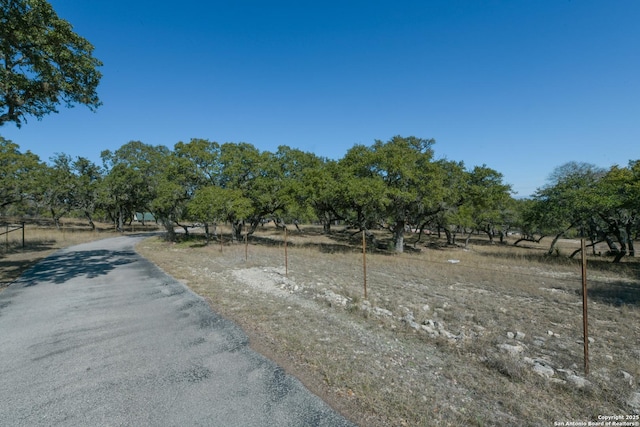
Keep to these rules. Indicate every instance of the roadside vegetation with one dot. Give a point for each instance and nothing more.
(486, 334)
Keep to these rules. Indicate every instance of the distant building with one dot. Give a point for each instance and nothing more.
(144, 217)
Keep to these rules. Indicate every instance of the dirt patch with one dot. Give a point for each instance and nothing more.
(492, 339)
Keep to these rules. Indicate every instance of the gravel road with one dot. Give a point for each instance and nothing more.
(96, 335)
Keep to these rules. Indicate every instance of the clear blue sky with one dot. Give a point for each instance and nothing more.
(521, 86)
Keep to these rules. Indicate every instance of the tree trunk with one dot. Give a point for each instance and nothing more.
(553, 243)
(449, 235)
(622, 239)
(577, 251)
(56, 219)
(398, 238)
(236, 231)
(613, 248)
(253, 225)
(88, 215)
(489, 231)
(628, 227)
(168, 226)
(420, 233)
(528, 238)
(120, 220)
(466, 242)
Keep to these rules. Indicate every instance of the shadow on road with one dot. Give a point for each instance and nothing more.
(61, 267)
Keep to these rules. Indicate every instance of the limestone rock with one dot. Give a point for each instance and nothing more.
(428, 329)
(382, 312)
(513, 350)
(634, 401)
(409, 320)
(543, 370)
(578, 382)
(627, 377)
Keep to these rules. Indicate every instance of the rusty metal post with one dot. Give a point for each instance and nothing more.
(286, 256)
(246, 247)
(585, 323)
(364, 262)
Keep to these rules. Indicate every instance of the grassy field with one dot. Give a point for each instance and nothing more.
(483, 335)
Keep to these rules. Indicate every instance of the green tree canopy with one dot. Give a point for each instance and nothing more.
(410, 181)
(43, 63)
(19, 173)
(57, 187)
(567, 202)
(258, 176)
(487, 198)
(211, 204)
(131, 179)
(616, 200)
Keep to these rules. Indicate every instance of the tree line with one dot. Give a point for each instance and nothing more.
(396, 185)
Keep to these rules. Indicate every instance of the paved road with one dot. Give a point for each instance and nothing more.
(95, 335)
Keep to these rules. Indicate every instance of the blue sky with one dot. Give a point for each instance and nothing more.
(521, 86)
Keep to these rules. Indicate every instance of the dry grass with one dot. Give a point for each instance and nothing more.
(423, 348)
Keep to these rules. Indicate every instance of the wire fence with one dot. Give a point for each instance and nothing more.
(623, 290)
(10, 228)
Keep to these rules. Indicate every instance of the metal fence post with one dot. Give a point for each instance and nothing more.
(585, 324)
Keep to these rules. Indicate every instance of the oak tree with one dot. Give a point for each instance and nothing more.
(43, 62)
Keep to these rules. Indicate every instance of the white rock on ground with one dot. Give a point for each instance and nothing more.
(543, 370)
(382, 311)
(511, 349)
(410, 320)
(634, 401)
(335, 298)
(428, 329)
(578, 382)
(628, 377)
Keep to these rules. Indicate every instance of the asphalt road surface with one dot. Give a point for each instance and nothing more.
(96, 335)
